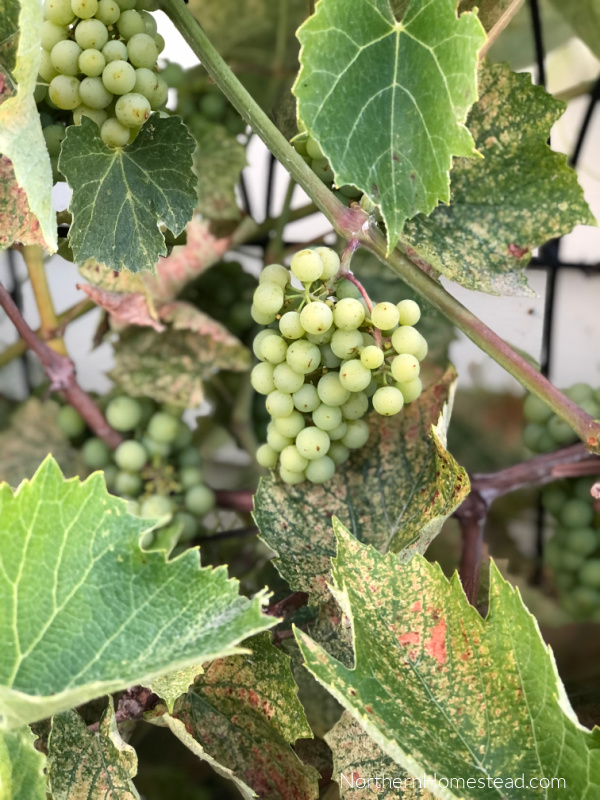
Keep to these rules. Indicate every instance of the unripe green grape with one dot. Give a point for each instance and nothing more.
(64, 92)
(291, 459)
(306, 399)
(268, 297)
(52, 34)
(259, 339)
(123, 413)
(312, 443)
(188, 525)
(411, 390)
(371, 388)
(409, 340)
(299, 145)
(356, 406)
(582, 540)
(585, 598)
(159, 98)
(46, 70)
(357, 434)
(321, 470)
(303, 357)
(385, 316)
(114, 51)
(266, 456)
(535, 410)
(330, 390)
(156, 506)
(108, 12)
(591, 408)
(388, 401)
(92, 63)
(114, 134)
(94, 93)
(190, 457)
(84, 9)
(553, 498)
(290, 425)
(260, 317)
(589, 574)
(576, 513)
(174, 75)
(348, 314)
(338, 453)
(132, 109)
(405, 368)
(262, 379)
(199, 500)
(354, 375)
(346, 343)
(150, 26)
(129, 23)
(65, 57)
(159, 42)
(54, 136)
(96, 453)
(580, 393)
(70, 422)
(306, 265)
(327, 418)
(46, 119)
(331, 262)
(279, 404)
(532, 435)
(328, 357)
(349, 191)
(582, 487)
(409, 312)
(561, 431)
(128, 484)
(274, 349)
(321, 338)
(213, 105)
(142, 51)
(146, 82)
(277, 440)
(316, 317)
(291, 326)
(313, 149)
(546, 443)
(131, 456)
(372, 357)
(346, 288)
(184, 437)
(119, 77)
(190, 476)
(97, 115)
(289, 477)
(163, 427)
(275, 273)
(322, 169)
(91, 34)
(339, 431)
(286, 379)
(126, 5)
(39, 94)
(59, 11)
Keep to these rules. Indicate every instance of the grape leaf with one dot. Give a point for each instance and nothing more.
(21, 766)
(21, 139)
(124, 309)
(170, 367)
(84, 611)
(86, 765)
(444, 692)
(584, 19)
(218, 163)
(17, 223)
(172, 685)
(242, 712)
(395, 493)
(121, 194)
(500, 209)
(399, 92)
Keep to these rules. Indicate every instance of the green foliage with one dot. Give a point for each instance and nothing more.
(21, 766)
(584, 19)
(120, 194)
(218, 163)
(158, 616)
(421, 71)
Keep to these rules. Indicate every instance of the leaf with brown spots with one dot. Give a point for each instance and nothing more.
(218, 163)
(394, 493)
(84, 765)
(442, 691)
(513, 200)
(125, 309)
(240, 715)
(17, 223)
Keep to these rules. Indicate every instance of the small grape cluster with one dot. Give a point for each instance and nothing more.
(545, 431)
(156, 469)
(200, 102)
(311, 152)
(573, 553)
(325, 360)
(99, 60)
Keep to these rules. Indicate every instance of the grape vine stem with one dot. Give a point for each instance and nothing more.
(355, 223)
(34, 261)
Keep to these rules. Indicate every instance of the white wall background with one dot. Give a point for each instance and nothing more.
(519, 320)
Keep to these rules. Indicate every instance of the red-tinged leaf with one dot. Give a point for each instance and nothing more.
(125, 309)
(17, 223)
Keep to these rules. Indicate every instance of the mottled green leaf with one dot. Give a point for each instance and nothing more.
(494, 15)
(394, 493)
(84, 766)
(444, 692)
(362, 770)
(21, 767)
(218, 163)
(17, 223)
(21, 139)
(172, 685)
(515, 199)
(121, 194)
(400, 92)
(243, 712)
(170, 367)
(84, 611)
(584, 18)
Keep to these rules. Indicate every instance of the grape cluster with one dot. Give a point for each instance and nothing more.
(99, 60)
(573, 553)
(200, 102)
(156, 468)
(545, 431)
(325, 360)
(311, 152)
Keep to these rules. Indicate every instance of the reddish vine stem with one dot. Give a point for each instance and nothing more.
(133, 704)
(61, 373)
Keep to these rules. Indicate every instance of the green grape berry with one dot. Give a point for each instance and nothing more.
(199, 500)
(132, 109)
(114, 134)
(388, 400)
(70, 422)
(348, 314)
(128, 484)
(266, 456)
(385, 316)
(291, 459)
(306, 265)
(64, 92)
(96, 453)
(409, 312)
(163, 427)
(190, 457)
(124, 413)
(156, 506)
(131, 456)
(312, 443)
